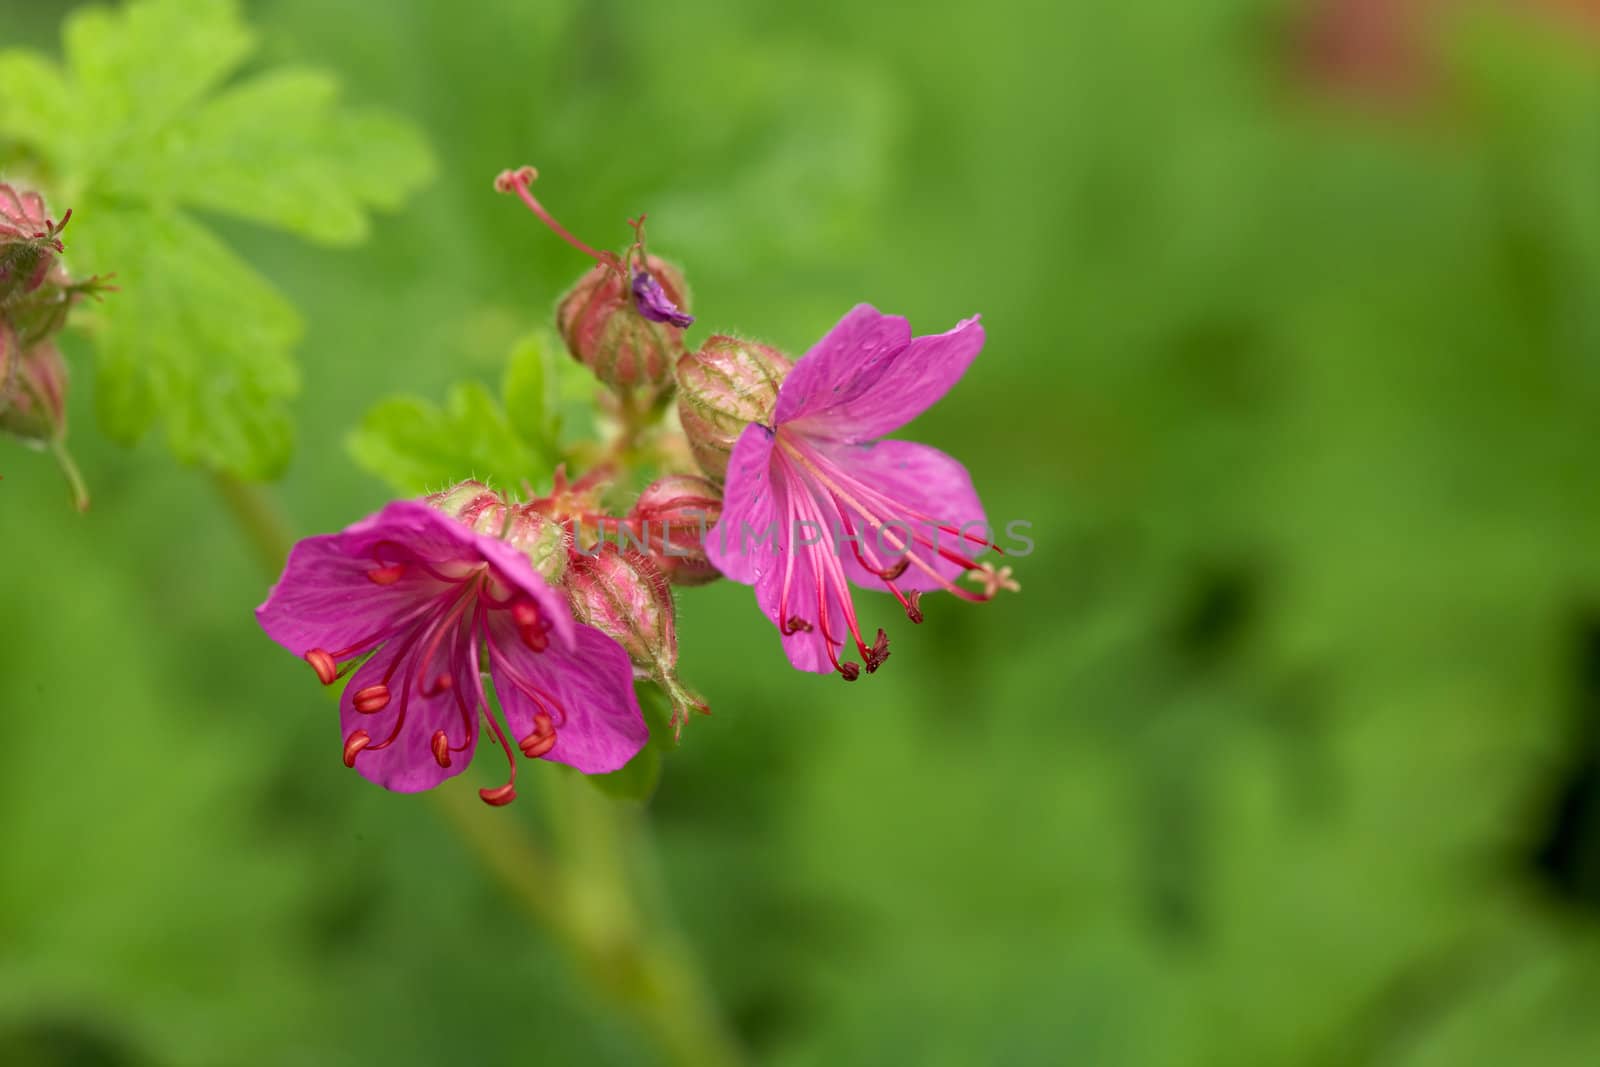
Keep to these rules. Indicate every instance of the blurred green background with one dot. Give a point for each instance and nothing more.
(1289, 750)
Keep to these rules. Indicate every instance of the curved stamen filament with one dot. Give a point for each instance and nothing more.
(788, 624)
(837, 479)
(885, 528)
(416, 675)
(885, 575)
(504, 794)
(520, 181)
(830, 572)
(504, 669)
(367, 643)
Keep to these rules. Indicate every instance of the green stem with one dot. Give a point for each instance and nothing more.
(69, 468)
(590, 903)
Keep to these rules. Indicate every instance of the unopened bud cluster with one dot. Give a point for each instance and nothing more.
(36, 292)
(622, 591)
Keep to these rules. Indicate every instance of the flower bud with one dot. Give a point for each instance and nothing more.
(33, 402)
(543, 540)
(722, 388)
(623, 595)
(671, 518)
(600, 319)
(467, 502)
(29, 242)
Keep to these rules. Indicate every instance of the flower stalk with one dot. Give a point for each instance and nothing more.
(635, 958)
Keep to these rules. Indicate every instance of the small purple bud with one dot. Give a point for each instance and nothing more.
(653, 302)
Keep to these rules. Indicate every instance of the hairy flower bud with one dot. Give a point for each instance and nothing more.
(485, 511)
(601, 321)
(726, 385)
(671, 518)
(623, 595)
(467, 502)
(33, 402)
(624, 319)
(29, 241)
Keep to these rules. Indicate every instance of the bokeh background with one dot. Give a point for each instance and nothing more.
(1287, 753)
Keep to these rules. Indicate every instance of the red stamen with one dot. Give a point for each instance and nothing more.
(518, 181)
(543, 738)
(372, 698)
(386, 575)
(506, 673)
(504, 794)
(527, 619)
(831, 566)
(441, 748)
(500, 796)
(877, 653)
(326, 667)
(535, 745)
(353, 745)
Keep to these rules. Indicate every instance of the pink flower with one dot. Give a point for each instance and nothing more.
(814, 501)
(431, 603)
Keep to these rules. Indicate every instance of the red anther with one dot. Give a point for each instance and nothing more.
(500, 796)
(543, 738)
(525, 613)
(439, 685)
(507, 180)
(878, 652)
(371, 698)
(914, 606)
(796, 625)
(849, 671)
(386, 575)
(441, 748)
(353, 745)
(897, 570)
(535, 745)
(533, 637)
(327, 670)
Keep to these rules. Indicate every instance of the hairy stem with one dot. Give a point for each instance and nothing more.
(587, 895)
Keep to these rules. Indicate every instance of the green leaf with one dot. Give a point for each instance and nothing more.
(296, 173)
(133, 129)
(220, 337)
(528, 392)
(34, 102)
(417, 447)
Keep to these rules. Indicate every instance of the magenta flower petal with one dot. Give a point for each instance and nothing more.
(740, 545)
(412, 595)
(868, 377)
(327, 591)
(842, 365)
(587, 692)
